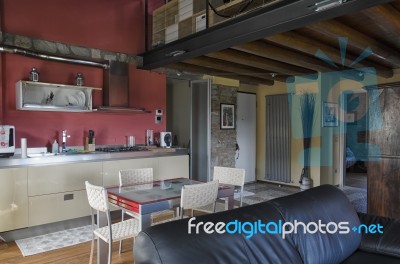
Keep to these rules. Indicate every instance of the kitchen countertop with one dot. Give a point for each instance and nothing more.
(16, 161)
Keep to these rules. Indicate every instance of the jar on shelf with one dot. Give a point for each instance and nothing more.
(79, 79)
(34, 75)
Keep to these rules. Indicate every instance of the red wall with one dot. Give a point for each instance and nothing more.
(111, 25)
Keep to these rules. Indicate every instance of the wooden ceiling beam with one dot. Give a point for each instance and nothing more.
(380, 52)
(234, 68)
(385, 15)
(213, 72)
(396, 5)
(310, 46)
(247, 59)
(263, 49)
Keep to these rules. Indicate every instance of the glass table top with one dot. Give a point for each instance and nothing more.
(151, 192)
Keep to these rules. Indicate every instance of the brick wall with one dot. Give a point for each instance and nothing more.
(223, 142)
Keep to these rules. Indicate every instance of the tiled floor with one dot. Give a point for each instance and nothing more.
(358, 180)
(263, 191)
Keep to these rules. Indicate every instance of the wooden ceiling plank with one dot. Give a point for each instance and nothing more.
(234, 68)
(396, 5)
(310, 46)
(263, 49)
(385, 15)
(357, 39)
(213, 72)
(247, 59)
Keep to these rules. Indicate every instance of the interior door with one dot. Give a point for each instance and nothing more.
(246, 135)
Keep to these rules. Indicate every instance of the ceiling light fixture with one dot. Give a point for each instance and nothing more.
(327, 4)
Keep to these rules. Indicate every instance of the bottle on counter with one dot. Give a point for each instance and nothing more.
(55, 147)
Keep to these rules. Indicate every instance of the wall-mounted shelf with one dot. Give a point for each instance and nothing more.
(39, 96)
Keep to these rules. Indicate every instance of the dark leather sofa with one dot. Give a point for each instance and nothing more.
(170, 243)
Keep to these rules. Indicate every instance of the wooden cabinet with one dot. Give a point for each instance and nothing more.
(13, 199)
(57, 192)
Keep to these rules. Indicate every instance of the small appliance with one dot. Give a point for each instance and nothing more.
(7, 141)
(165, 139)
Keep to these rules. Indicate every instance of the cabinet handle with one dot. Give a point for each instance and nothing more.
(68, 197)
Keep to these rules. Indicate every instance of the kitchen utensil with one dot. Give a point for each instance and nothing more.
(90, 136)
(149, 137)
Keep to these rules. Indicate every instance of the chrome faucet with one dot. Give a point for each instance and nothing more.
(64, 140)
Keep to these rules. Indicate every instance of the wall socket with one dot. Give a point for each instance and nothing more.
(158, 119)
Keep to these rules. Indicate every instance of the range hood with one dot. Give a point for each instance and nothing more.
(116, 89)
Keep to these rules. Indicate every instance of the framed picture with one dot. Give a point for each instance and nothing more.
(350, 118)
(227, 116)
(330, 115)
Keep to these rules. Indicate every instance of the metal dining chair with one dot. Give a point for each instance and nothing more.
(140, 176)
(98, 201)
(232, 176)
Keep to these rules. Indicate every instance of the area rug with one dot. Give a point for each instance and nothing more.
(39, 244)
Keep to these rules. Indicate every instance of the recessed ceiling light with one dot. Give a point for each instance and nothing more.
(327, 4)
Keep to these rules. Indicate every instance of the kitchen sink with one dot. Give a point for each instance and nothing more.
(48, 154)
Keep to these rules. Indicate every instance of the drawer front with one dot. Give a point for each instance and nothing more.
(173, 167)
(63, 178)
(111, 169)
(13, 199)
(51, 208)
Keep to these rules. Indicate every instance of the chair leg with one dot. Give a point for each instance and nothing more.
(109, 251)
(91, 250)
(241, 196)
(120, 242)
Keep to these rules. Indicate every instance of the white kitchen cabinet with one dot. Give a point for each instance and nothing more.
(63, 177)
(173, 167)
(44, 209)
(163, 168)
(13, 199)
(39, 96)
(57, 192)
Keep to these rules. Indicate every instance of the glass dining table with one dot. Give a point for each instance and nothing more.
(147, 198)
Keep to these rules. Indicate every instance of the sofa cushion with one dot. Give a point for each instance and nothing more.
(328, 204)
(171, 243)
(366, 257)
(386, 242)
